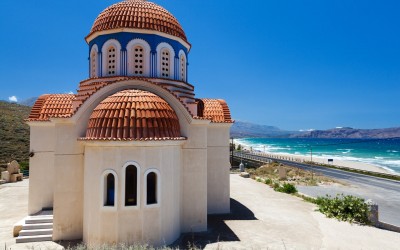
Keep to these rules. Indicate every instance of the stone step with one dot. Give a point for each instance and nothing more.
(42, 214)
(37, 226)
(39, 220)
(37, 238)
(36, 232)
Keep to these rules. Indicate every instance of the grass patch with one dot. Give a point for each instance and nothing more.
(269, 174)
(268, 181)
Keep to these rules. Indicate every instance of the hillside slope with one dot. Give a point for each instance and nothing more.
(14, 133)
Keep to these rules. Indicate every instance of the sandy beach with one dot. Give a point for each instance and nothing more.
(340, 163)
(348, 164)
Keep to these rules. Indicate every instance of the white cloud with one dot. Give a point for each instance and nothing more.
(71, 93)
(307, 130)
(13, 98)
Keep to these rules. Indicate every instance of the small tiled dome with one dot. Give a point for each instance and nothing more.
(52, 106)
(138, 14)
(214, 109)
(133, 115)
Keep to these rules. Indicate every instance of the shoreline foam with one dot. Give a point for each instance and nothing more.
(355, 164)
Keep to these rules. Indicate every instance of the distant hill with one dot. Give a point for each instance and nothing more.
(351, 133)
(28, 102)
(14, 133)
(246, 129)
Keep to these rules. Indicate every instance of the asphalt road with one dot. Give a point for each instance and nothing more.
(384, 192)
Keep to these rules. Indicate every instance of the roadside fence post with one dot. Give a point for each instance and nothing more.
(373, 214)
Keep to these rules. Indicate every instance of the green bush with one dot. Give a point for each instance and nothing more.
(344, 208)
(286, 188)
(268, 181)
(24, 166)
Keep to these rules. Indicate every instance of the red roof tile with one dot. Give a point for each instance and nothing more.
(215, 110)
(138, 14)
(88, 87)
(52, 106)
(133, 115)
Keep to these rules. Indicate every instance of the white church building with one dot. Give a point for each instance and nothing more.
(133, 156)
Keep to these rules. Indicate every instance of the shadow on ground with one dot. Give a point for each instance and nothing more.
(217, 231)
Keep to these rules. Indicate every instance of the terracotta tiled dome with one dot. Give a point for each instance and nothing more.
(138, 14)
(133, 115)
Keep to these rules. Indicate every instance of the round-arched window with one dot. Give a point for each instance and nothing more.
(165, 63)
(138, 60)
(111, 61)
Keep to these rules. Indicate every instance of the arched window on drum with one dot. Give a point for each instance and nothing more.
(111, 59)
(182, 67)
(165, 63)
(94, 62)
(138, 60)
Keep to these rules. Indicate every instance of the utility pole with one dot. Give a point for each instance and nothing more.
(241, 166)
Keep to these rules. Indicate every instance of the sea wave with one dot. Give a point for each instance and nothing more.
(368, 154)
(392, 162)
(260, 146)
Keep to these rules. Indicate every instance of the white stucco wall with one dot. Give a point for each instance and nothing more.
(68, 191)
(41, 179)
(194, 180)
(157, 225)
(218, 168)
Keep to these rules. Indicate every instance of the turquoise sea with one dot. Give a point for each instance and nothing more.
(384, 153)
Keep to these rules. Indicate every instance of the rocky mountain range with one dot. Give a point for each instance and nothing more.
(242, 129)
(250, 130)
(351, 133)
(28, 102)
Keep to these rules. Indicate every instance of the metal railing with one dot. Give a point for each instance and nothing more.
(261, 157)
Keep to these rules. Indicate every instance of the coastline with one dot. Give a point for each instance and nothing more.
(343, 163)
(324, 160)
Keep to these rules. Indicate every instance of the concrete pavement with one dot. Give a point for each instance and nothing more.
(388, 201)
(287, 222)
(13, 208)
(384, 192)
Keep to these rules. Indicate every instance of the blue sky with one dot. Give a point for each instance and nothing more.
(306, 64)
